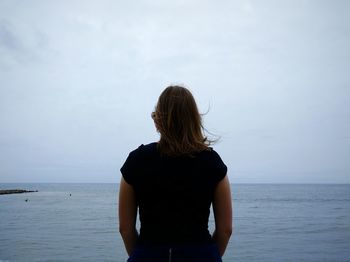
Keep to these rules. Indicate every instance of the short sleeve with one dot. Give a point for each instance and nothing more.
(131, 165)
(219, 167)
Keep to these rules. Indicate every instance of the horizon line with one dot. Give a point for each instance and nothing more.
(232, 183)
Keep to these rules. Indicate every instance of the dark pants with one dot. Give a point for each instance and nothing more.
(180, 253)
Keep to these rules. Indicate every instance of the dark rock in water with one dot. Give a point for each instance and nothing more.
(26, 200)
(15, 191)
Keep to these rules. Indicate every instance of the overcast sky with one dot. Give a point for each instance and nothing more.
(79, 79)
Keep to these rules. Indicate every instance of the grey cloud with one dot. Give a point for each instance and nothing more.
(22, 48)
(8, 39)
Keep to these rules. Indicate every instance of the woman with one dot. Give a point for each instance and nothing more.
(173, 183)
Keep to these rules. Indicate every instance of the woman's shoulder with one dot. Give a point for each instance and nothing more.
(214, 162)
(210, 152)
(144, 149)
(210, 155)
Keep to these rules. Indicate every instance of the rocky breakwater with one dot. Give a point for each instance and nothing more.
(15, 191)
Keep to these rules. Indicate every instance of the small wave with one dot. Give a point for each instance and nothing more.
(337, 208)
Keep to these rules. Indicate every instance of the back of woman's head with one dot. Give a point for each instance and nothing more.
(179, 123)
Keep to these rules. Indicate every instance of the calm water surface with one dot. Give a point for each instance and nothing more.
(272, 223)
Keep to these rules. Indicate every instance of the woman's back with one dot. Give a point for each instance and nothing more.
(174, 194)
(173, 183)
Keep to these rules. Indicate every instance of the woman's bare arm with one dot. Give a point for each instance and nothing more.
(127, 215)
(222, 207)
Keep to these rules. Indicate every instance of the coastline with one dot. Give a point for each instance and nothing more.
(15, 191)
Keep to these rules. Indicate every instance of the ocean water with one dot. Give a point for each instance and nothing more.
(271, 223)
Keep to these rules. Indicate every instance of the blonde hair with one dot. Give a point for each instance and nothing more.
(179, 123)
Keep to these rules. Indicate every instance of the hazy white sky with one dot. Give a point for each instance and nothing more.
(79, 79)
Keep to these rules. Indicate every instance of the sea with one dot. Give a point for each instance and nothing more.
(272, 222)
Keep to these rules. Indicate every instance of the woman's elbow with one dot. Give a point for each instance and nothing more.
(229, 231)
(126, 230)
(226, 231)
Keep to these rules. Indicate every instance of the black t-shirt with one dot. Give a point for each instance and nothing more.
(173, 194)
